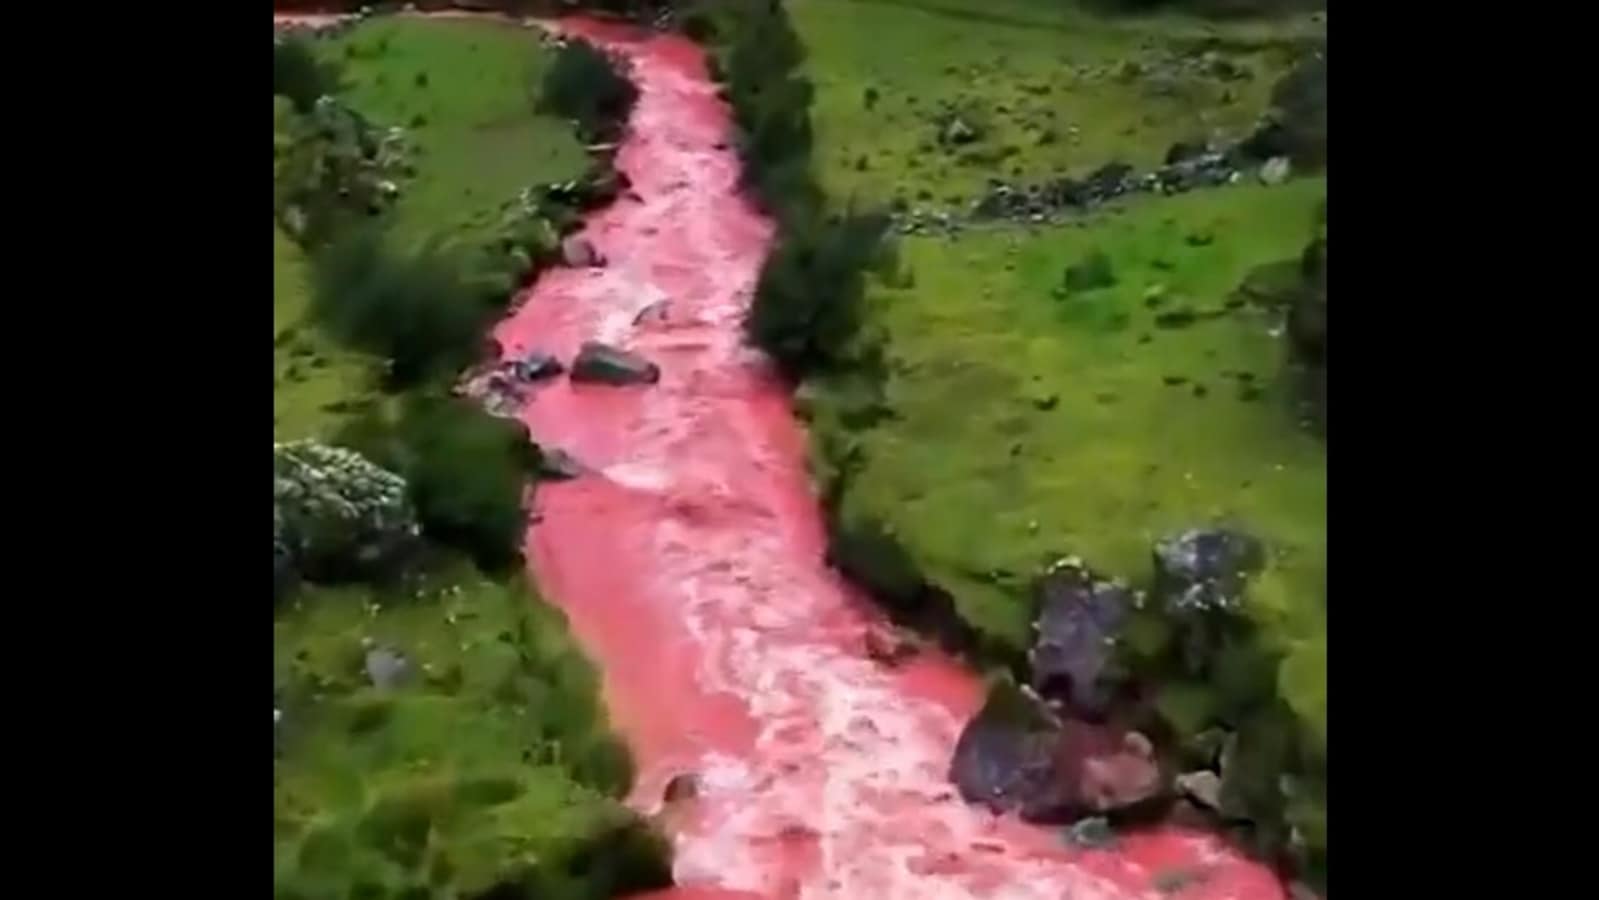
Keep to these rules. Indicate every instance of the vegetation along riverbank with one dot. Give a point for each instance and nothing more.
(438, 734)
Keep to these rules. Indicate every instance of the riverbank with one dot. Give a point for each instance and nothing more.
(689, 557)
(438, 730)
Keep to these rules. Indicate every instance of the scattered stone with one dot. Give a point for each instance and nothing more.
(1081, 614)
(958, 132)
(884, 645)
(556, 464)
(683, 786)
(1093, 833)
(1200, 390)
(1174, 880)
(1275, 171)
(579, 253)
(387, 668)
(604, 364)
(1200, 239)
(1203, 787)
(536, 365)
(1205, 569)
(1174, 380)
(1047, 402)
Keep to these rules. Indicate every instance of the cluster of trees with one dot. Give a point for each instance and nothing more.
(586, 85)
(806, 311)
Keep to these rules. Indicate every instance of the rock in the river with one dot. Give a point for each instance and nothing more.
(885, 646)
(604, 364)
(683, 786)
(1202, 570)
(536, 365)
(558, 465)
(1275, 170)
(1080, 615)
(1202, 787)
(578, 252)
(387, 668)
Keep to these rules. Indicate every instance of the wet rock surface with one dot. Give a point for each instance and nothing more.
(603, 364)
(388, 668)
(1013, 757)
(1080, 614)
(1205, 569)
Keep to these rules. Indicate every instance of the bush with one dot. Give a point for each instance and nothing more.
(585, 85)
(807, 299)
(335, 514)
(467, 472)
(1092, 273)
(806, 306)
(418, 310)
(299, 74)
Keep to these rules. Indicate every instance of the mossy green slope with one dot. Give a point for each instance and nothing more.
(1029, 421)
(493, 765)
(1055, 90)
(464, 90)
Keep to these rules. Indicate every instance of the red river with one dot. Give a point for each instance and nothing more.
(689, 561)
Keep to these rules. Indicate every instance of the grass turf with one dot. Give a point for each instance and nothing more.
(1057, 90)
(1030, 422)
(464, 91)
(495, 766)
(492, 764)
(316, 384)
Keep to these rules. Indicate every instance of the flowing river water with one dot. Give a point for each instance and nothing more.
(689, 560)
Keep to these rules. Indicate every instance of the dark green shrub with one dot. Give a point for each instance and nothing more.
(1091, 273)
(467, 472)
(416, 309)
(870, 556)
(585, 85)
(300, 74)
(807, 299)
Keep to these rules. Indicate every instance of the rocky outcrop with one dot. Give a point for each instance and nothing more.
(1296, 124)
(603, 364)
(1014, 758)
(1205, 569)
(1080, 615)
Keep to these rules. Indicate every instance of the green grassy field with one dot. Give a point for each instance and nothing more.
(316, 384)
(462, 90)
(494, 766)
(1030, 422)
(493, 759)
(1060, 91)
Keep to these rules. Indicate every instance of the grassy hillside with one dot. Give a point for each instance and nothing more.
(464, 90)
(1029, 421)
(1050, 88)
(489, 765)
(1083, 388)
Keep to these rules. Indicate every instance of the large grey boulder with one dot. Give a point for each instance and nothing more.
(1080, 615)
(604, 364)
